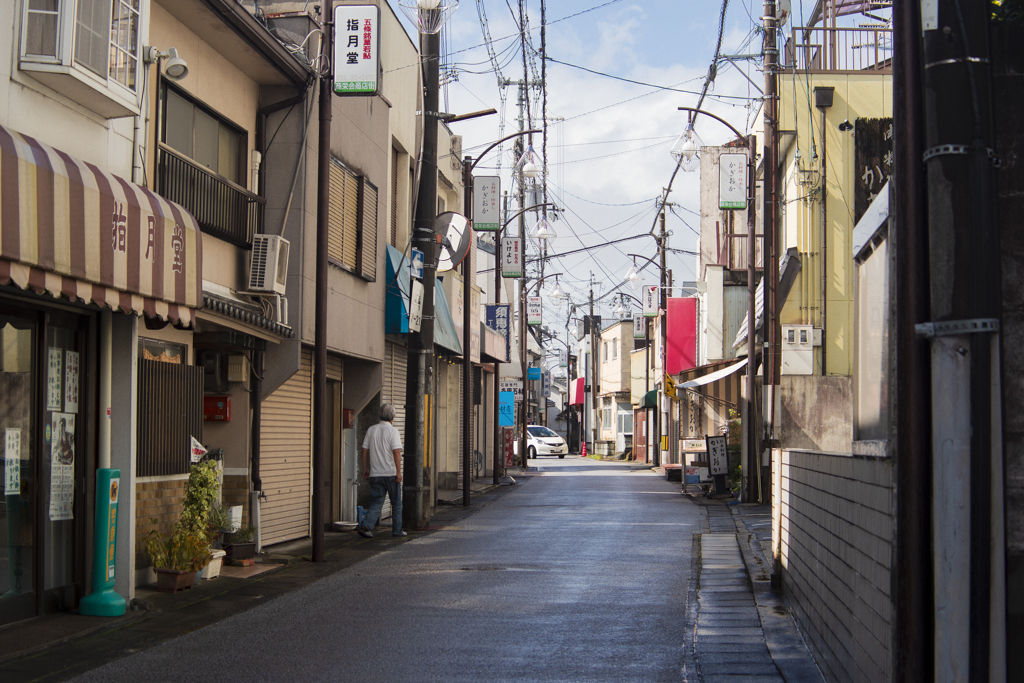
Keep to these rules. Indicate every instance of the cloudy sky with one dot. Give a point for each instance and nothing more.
(617, 71)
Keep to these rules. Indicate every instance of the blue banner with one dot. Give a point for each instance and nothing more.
(532, 373)
(498, 320)
(506, 408)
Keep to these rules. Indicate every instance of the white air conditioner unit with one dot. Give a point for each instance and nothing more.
(280, 305)
(268, 266)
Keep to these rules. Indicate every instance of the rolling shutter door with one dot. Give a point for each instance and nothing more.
(393, 389)
(286, 460)
(367, 229)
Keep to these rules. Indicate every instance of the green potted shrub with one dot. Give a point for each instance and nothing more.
(177, 556)
(242, 545)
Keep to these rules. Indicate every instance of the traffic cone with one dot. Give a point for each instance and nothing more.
(584, 454)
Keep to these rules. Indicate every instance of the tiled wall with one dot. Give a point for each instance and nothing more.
(236, 492)
(160, 500)
(837, 530)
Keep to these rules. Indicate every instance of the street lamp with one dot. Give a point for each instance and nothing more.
(752, 465)
(686, 149)
(555, 293)
(467, 384)
(428, 15)
(528, 165)
(633, 278)
(543, 232)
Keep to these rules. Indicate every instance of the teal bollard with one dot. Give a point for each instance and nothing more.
(103, 601)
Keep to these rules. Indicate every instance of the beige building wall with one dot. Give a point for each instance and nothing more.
(826, 265)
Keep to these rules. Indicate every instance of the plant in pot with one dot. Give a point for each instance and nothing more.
(219, 524)
(200, 493)
(177, 555)
(242, 545)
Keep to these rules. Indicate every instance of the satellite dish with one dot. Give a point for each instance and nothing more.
(454, 234)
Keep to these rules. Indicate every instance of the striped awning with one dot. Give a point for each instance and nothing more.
(73, 230)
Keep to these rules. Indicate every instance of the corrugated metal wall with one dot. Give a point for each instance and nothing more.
(393, 389)
(285, 446)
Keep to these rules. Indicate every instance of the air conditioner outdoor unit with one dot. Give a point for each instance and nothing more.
(280, 305)
(268, 266)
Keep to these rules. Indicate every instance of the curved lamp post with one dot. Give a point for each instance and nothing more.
(467, 385)
(751, 484)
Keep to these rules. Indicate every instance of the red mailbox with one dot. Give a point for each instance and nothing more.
(217, 408)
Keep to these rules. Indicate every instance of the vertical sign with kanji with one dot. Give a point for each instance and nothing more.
(356, 49)
(534, 310)
(718, 459)
(873, 156)
(486, 191)
(497, 319)
(732, 181)
(639, 328)
(650, 297)
(511, 257)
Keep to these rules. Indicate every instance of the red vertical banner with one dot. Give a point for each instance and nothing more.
(508, 442)
(681, 345)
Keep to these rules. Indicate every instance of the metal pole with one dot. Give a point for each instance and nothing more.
(772, 331)
(320, 422)
(421, 345)
(913, 632)
(499, 457)
(467, 367)
(594, 385)
(663, 304)
(753, 468)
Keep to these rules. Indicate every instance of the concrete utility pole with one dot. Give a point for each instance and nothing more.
(420, 383)
(963, 330)
(665, 428)
(914, 628)
(772, 331)
(753, 468)
(594, 383)
(320, 423)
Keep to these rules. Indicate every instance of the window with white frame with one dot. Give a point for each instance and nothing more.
(605, 346)
(615, 348)
(606, 417)
(87, 49)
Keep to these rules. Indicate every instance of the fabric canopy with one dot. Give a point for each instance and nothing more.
(73, 230)
(713, 376)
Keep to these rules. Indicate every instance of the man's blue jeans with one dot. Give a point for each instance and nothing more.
(379, 486)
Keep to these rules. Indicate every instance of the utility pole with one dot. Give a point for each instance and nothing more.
(320, 425)
(468, 275)
(421, 345)
(753, 465)
(964, 335)
(499, 458)
(772, 331)
(594, 383)
(665, 428)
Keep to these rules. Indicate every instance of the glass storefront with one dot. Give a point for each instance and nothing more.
(43, 395)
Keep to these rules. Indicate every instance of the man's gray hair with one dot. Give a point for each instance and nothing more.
(387, 412)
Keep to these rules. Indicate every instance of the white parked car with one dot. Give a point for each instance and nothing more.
(542, 441)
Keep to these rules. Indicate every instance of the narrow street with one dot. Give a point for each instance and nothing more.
(581, 572)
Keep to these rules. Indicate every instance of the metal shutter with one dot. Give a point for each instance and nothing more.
(343, 218)
(286, 456)
(393, 389)
(393, 240)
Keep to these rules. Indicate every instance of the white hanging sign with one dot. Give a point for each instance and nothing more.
(486, 192)
(511, 257)
(12, 462)
(534, 310)
(639, 328)
(513, 385)
(650, 298)
(732, 181)
(356, 49)
(416, 306)
(563, 358)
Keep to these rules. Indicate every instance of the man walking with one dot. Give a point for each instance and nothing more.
(382, 465)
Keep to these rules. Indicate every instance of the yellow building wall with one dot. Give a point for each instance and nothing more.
(803, 224)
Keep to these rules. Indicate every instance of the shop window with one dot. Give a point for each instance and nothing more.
(162, 352)
(87, 49)
(170, 413)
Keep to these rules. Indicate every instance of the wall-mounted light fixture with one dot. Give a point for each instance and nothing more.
(175, 69)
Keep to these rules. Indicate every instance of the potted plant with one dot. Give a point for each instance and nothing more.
(242, 545)
(177, 556)
(219, 524)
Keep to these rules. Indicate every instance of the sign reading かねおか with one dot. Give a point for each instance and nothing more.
(356, 49)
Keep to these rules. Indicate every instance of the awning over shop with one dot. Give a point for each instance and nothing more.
(713, 376)
(397, 292)
(444, 326)
(73, 230)
(494, 346)
(650, 399)
(789, 267)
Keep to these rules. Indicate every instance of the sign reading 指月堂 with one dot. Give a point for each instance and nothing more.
(650, 296)
(486, 191)
(356, 49)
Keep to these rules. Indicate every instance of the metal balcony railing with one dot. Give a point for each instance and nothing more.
(839, 49)
(222, 208)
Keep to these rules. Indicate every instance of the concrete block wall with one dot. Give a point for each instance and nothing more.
(160, 500)
(835, 555)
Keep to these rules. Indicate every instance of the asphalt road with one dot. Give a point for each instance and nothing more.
(578, 574)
